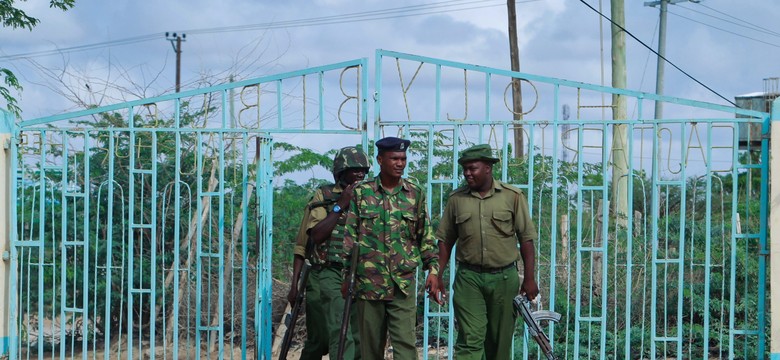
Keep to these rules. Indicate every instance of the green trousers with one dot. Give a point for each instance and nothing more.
(333, 307)
(316, 345)
(484, 311)
(378, 317)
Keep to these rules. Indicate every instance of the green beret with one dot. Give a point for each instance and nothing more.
(481, 152)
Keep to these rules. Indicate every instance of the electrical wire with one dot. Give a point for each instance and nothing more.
(657, 54)
(86, 47)
(724, 30)
(361, 16)
(390, 13)
(749, 24)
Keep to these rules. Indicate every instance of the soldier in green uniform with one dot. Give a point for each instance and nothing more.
(323, 223)
(487, 218)
(389, 222)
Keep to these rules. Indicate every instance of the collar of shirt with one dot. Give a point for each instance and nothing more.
(403, 186)
(496, 187)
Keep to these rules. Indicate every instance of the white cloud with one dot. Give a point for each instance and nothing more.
(558, 38)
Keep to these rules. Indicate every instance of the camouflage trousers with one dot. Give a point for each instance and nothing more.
(377, 318)
(483, 308)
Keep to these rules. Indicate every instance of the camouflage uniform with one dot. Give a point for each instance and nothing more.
(487, 230)
(394, 234)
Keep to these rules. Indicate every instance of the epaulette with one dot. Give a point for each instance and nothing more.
(511, 188)
(461, 189)
(414, 184)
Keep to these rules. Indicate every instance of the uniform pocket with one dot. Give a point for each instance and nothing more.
(409, 225)
(461, 222)
(369, 221)
(502, 221)
(461, 218)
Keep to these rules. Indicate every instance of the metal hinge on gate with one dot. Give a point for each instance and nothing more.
(6, 255)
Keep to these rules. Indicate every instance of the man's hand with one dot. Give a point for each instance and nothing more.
(433, 288)
(292, 294)
(529, 288)
(346, 196)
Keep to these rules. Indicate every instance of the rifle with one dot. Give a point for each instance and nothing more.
(291, 318)
(532, 320)
(348, 301)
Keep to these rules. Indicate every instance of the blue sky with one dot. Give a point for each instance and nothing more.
(728, 45)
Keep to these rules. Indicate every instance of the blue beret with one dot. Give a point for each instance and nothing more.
(392, 144)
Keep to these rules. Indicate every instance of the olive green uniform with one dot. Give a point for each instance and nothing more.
(327, 275)
(395, 237)
(487, 230)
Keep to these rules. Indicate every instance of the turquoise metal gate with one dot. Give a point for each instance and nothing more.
(653, 233)
(144, 229)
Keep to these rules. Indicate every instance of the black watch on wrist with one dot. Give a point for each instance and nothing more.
(337, 209)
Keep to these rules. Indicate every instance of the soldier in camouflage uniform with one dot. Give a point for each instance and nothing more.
(323, 223)
(388, 220)
(488, 219)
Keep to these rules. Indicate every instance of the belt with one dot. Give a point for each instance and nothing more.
(482, 269)
(332, 265)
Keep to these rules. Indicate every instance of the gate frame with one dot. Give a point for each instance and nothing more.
(774, 231)
(9, 132)
(641, 97)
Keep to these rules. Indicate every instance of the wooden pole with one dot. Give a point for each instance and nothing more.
(517, 95)
(619, 131)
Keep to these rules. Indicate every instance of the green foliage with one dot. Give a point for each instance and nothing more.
(15, 18)
(11, 82)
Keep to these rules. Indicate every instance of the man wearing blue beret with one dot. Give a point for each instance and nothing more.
(388, 224)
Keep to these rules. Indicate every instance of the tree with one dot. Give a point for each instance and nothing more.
(15, 18)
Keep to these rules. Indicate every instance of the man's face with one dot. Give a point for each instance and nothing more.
(477, 173)
(392, 163)
(353, 175)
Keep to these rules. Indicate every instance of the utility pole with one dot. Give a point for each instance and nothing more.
(176, 41)
(517, 95)
(659, 74)
(619, 131)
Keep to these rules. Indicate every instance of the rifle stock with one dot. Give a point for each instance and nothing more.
(292, 318)
(348, 302)
(532, 319)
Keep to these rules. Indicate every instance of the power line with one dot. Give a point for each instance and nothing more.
(103, 44)
(724, 30)
(749, 24)
(383, 14)
(657, 54)
(358, 16)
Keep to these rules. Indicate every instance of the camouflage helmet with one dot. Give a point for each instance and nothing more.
(349, 157)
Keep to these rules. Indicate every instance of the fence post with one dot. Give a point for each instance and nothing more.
(6, 316)
(774, 230)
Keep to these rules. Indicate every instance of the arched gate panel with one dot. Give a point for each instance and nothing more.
(144, 229)
(652, 232)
